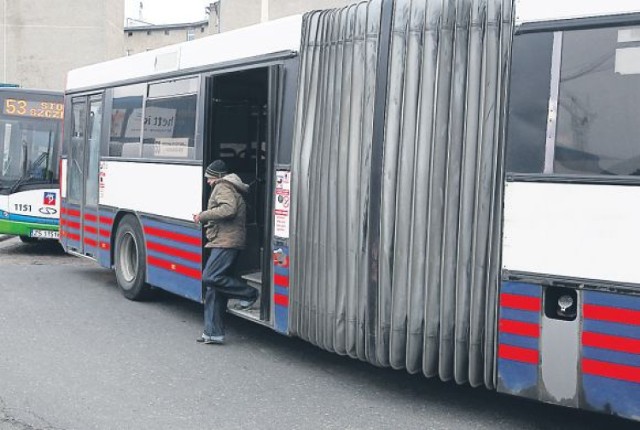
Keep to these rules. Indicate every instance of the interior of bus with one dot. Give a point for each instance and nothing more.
(237, 132)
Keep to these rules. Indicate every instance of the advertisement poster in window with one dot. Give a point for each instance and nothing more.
(158, 122)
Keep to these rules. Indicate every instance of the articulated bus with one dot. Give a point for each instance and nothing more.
(30, 141)
(449, 187)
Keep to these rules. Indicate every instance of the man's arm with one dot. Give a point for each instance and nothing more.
(227, 205)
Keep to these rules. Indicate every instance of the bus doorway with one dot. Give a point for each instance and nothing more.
(237, 131)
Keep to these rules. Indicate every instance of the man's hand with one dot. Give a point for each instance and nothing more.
(196, 218)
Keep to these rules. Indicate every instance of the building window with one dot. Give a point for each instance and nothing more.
(166, 32)
(130, 33)
(191, 34)
(148, 32)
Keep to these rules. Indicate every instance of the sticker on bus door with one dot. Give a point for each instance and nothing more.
(282, 204)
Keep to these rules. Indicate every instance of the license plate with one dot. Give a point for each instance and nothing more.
(45, 234)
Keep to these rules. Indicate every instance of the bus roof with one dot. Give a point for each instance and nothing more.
(271, 37)
(553, 10)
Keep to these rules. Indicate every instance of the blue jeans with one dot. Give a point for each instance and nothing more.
(221, 285)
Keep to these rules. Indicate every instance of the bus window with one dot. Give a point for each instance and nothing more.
(126, 121)
(598, 128)
(169, 127)
(76, 153)
(528, 102)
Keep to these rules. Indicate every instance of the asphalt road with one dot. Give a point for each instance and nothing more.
(74, 354)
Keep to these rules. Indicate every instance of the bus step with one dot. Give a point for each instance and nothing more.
(254, 279)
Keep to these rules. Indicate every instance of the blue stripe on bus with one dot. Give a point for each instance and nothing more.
(193, 232)
(175, 283)
(281, 319)
(518, 315)
(611, 356)
(516, 377)
(104, 258)
(107, 213)
(33, 219)
(516, 340)
(612, 396)
(614, 329)
(177, 245)
(522, 289)
(279, 270)
(613, 300)
(281, 290)
(174, 259)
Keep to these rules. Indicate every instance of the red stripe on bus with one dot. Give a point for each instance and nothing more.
(90, 242)
(613, 343)
(72, 224)
(63, 211)
(191, 256)
(90, 229)
(519, 328)
(173, 267)
(151, 231)
(72, 236)
(281, 300)
(281, 281)
(611, 370)
(616, 315)
(515, 353)
(105, 233)
(105, 220)
(523, 303)
(90, 217)
(74, 213)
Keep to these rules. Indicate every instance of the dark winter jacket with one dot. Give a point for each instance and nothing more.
(226, 214)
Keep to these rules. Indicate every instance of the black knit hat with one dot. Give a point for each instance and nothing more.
(217, 169)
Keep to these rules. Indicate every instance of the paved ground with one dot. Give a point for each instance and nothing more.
(74, 354)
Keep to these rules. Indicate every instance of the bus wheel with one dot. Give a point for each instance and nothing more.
(130, 259)
(28, 239)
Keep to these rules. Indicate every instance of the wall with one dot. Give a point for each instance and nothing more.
(42, 40)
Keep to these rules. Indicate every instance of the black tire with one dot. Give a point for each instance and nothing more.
(130, 259)
(28, 239)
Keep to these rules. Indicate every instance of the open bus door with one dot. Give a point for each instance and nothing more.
(239, 130)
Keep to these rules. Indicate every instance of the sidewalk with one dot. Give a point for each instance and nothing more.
(4, 237)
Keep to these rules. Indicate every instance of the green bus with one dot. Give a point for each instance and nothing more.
(30, 137)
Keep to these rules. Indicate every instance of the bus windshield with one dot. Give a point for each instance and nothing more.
(28, 150)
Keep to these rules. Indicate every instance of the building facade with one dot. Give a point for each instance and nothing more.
(41, 40)
(140, 38)
(219, 16)
(241, 13)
